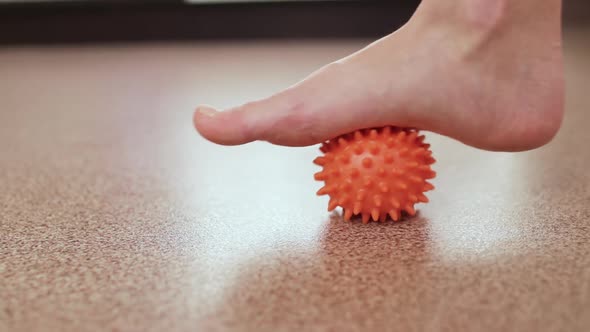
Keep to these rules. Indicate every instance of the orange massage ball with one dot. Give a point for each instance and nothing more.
(376, 173)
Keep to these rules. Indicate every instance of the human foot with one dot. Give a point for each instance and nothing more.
(485, 72)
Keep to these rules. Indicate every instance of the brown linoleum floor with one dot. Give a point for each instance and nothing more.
(116, 216)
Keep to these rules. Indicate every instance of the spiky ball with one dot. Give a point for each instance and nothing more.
(376, 172)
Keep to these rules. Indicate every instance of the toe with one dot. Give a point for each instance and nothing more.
(330, 102)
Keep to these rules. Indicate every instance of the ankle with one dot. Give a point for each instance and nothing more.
(462, 27)
(482, 16)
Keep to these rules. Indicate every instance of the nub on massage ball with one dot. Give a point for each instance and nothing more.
(376, 173)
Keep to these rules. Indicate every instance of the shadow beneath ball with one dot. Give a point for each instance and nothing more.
(338, 216)
(346, 276)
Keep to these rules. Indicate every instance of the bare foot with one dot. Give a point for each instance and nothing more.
(485, 72)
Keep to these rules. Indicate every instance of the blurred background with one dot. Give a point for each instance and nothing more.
(75, 21)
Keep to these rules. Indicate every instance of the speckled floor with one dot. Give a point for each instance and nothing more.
(115, 215)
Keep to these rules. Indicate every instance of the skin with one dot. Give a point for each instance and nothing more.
(487, 73)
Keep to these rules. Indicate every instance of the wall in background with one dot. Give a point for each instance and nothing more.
(51, 22)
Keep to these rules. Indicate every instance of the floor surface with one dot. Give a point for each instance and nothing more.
(115, 215)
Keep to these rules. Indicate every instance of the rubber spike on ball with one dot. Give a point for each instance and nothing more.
(376, 173)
